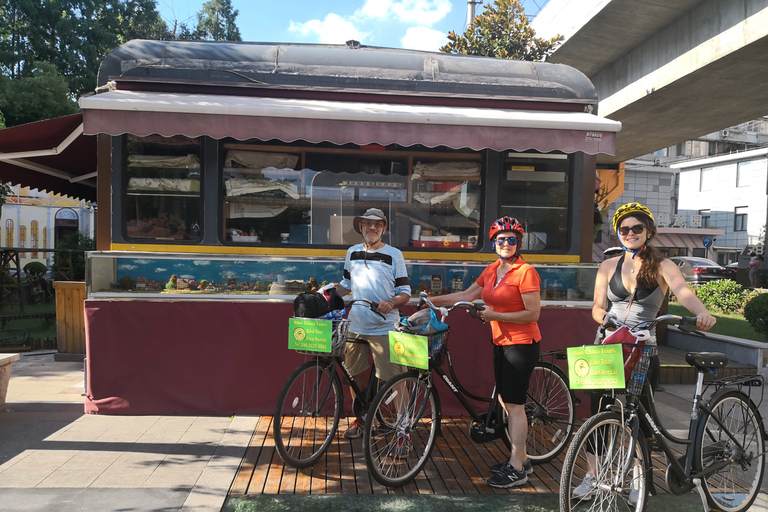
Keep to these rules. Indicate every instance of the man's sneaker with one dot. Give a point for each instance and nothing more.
(356, 429)
(508, 477)
(586, 489)
(402, 448)
(527, 467)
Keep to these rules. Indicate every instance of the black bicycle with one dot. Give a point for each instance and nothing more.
(311, 402)
(608, 465)
(404, 419)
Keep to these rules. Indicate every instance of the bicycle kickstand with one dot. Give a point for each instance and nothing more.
(697, 483)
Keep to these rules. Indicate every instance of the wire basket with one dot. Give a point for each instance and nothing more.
(436, 343)
(338, 343)
(639, 369)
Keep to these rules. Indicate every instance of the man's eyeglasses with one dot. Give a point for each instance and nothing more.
(367, 224)
(636, 229)
(511, 240)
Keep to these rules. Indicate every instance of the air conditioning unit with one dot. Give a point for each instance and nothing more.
(725, 133)
(657, 161)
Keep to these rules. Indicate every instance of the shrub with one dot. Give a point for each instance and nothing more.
(78, 244)
(35, 271)
(723, 295)
(755, 312)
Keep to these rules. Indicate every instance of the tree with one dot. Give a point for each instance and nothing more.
(216, 22)
(502, 31)
(39, 92)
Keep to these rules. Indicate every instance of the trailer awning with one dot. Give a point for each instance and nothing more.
(339, 122)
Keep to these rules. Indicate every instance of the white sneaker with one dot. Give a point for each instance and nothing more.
(586, 489)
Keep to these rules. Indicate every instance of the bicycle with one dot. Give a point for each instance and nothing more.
(404, 418)
(724, 456)
(310, 404)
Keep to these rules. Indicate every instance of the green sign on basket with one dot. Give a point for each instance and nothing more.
(310, 334)
(408, 350)
(596, 367)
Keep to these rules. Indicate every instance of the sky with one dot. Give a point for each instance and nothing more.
(411, 24)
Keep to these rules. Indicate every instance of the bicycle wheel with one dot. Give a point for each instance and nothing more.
(734, 487)
(550, 411)
(605, 468)
(307, 413)
(401, 428)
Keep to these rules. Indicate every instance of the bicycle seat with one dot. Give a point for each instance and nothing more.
(706, 360)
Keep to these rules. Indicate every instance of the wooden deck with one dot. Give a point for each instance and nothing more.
(457, 466)
(675, 370)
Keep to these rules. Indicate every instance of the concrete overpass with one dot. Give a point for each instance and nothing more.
(669, 70)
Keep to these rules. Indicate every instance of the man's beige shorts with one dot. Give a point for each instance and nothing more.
(357, 356)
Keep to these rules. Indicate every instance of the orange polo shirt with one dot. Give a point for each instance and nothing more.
(506, 298)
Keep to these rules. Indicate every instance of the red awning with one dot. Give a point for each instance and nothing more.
(50, 155)
(194, 115)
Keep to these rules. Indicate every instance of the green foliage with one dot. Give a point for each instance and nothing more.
(502, 31)
(78, 243)
(755, 312)
(2, 120)
(39, 92)
(35, 271)
(216, 22)
(722, 295)
(126, 283)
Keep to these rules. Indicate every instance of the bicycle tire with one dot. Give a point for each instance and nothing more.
(412, 405)
(550, 412)
(735, 487)
(606, 433)
(310, 399)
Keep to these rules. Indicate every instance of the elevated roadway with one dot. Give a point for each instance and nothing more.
(669, 70)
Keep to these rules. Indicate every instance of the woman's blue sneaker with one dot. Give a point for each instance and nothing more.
(527, 467)
(508, 477)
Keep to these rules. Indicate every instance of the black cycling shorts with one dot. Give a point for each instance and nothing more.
(512, 368)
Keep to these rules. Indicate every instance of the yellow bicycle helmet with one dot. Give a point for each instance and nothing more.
(629, 209)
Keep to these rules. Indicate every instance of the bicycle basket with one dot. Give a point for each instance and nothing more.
(436, 343)
(639, 368)
(338, 343)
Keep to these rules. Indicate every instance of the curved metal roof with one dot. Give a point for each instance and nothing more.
(344, 67)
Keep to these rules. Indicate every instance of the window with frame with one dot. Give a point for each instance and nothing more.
(706, 218)
(535, 190)
(163, 201)
(740, 218)
(743, 174)
(310, 196)
(707, 179)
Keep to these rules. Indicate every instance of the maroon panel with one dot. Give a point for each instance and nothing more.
(222, 358)
(117, 122)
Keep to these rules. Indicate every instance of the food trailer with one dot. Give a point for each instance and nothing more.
(229, 175)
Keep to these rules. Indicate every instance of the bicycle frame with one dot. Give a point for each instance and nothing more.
(640, 417)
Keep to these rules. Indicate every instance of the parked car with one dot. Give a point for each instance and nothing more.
(732, 269)
(699, 270)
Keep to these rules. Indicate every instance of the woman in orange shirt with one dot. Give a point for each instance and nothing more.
(510, 288)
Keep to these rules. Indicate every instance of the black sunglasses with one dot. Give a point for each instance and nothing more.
(636, 229)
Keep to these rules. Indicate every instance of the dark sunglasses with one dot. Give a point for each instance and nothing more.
(636, 229)
(511, 240)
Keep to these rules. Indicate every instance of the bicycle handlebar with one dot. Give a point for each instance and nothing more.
(683, 323)
(373, 306)
(472, 308)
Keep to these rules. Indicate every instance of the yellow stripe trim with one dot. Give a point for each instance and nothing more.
(279, 251)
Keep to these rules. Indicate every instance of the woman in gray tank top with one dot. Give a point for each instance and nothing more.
(633, 287)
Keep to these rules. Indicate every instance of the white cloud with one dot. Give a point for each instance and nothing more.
(424, 12)
(424, 38)
(332, 30)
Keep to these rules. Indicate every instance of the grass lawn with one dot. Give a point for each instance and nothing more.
(733, 324)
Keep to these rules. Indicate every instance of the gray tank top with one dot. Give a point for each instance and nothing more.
(645, 305)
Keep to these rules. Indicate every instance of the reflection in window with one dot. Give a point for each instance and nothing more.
(743, 174)
(35, 236)
(535, 191)
(707, 179)
(311, 197)
(22, 236)
(163, 200)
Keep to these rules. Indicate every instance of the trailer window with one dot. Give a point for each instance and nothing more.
(536, 190)
(310, 196)
(163, 198)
